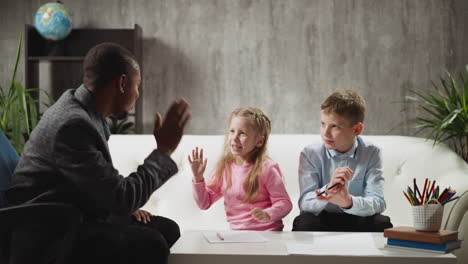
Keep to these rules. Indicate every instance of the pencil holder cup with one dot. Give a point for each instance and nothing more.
(428, 217)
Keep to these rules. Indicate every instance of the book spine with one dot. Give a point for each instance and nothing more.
(421, 245)
(415, 238)
(417, 249)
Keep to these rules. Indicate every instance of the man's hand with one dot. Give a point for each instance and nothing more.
(260, 215)
(142, 216)
(198, 164)
(169, 131)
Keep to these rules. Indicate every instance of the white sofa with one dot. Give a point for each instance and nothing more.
(404, 158)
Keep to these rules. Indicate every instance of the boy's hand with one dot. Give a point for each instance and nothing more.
(339, 195)
(198, 164)
(260, 215)
(341, 175)
(142, 216)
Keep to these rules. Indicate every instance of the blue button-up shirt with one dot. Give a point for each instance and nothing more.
(317, 165)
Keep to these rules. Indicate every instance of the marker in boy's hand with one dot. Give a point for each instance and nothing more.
(329, 188)
(341, 176)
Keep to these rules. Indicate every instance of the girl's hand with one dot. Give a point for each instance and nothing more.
(198, 164)
(260, 215)
(142, 216)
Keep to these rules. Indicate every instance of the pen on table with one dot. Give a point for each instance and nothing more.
(219, 236)
(331, 187)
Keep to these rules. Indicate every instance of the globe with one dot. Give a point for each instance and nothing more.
(52, 21)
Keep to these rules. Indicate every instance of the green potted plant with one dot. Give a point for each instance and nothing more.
(18, 109)
(445, 113)
(117, 126)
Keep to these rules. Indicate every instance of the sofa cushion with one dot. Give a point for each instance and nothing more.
(404, 158)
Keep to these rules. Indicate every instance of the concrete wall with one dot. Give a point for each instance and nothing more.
(284, 56)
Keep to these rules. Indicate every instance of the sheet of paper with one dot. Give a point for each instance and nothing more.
(234, 237)
(340, 244)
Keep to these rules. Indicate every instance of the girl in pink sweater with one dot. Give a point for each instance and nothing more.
(251, 183)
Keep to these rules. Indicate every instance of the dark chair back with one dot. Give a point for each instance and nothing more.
(38, 233)
(33, 233)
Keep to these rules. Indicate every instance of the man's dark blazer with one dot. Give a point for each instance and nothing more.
(67, 160)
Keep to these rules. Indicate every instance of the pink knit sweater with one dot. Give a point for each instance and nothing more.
(271, 197)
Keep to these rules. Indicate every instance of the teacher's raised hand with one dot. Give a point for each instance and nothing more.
(169, 131)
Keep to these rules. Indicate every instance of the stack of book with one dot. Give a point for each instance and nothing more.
(407, 237)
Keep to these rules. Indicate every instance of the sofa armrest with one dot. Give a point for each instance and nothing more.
(457, 219)
(457, 212)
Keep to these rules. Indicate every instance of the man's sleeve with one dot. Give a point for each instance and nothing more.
(373, 201)
(309, 181)
(79, 158)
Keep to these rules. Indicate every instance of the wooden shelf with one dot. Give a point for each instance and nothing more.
(66, 56)
(57, 58)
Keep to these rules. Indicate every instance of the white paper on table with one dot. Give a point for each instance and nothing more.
(339, 244)
(234, 237)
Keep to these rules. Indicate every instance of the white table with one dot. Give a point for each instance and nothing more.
(192, 247)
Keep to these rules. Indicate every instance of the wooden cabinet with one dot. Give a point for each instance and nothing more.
(65, 58)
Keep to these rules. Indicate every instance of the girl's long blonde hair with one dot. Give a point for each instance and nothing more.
(262, 126)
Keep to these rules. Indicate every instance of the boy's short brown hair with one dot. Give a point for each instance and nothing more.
(347, 104)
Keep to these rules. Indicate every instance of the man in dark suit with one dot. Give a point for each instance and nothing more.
(67, 160)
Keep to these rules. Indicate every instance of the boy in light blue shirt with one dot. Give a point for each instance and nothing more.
(346, 161)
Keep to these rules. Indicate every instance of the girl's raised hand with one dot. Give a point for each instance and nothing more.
(198, 164)
(260, 215)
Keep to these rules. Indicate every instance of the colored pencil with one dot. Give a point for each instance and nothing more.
(408, 198)
(424, 191)
(451, 200)
(416, 189)
(412, 196)
(442, 198)
(449, 196)
(433, 186)
(441, 194)
(429, 192)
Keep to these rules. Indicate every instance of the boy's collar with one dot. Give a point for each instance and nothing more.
(350, 153)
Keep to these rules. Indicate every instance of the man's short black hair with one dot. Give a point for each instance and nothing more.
(105, 62)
